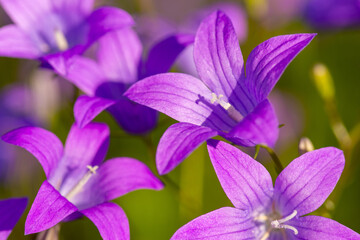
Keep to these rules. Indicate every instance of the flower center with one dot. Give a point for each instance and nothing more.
(60, 40)
(233, 113)
(272, 223)
(79, 186)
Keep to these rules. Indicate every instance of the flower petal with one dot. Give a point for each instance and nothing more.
(111, 221)
(132, 117)
(178, 141)
(119, 55)
(320, 228)
(85, 73)
(10, 211)
(44, 145)
(181, 97)
(48, 209)
(26, 12)
(87, 108)
(219, 60)
(107, 19)
(116, 177)
(259, 127)
(87, 145)
(268, 61)
(222, 224)
(15, 43)
(308, 180)
(164, 53)
(245, 181)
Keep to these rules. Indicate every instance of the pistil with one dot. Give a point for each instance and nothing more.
(60, 40)
(78, 187)
(279, 223)
(233, 113)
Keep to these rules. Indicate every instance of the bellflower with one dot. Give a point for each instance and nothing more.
(265, 212)
(10, 211)
(223, 101)
(119, 64)
(53, 31)
(332, 14)
(77, 183)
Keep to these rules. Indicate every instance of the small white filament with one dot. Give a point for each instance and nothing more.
(82, 182)
(60, 40)
(279, 223)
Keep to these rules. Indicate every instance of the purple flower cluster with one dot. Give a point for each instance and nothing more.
(103, 56)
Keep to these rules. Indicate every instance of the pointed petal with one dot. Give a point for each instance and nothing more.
(245, 181)
(116, 177)
(107, 19)
(219, 60)
(181, 97)
(10, 211)
(15, 43)
(259, 127)
(268, 61)
(85, 73)
(119, 55)
(49, 208)
(25, 13)
(308, 180)
(87, 145)
(110, 220)
(87, 108)
(320, 228)
(59, 61)
(178, 141)
(44, 145)
(222, 224)
(134, 118)
(163, 54)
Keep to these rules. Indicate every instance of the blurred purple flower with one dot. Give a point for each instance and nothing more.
(266, 212)
(53, 31)
(76, 185)
(152, 28)
(119, 64)
(224, 102)
(10, 211)
(330, 14)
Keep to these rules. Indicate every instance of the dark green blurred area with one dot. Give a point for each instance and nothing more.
(157, 215)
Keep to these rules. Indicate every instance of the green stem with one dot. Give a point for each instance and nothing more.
(278, 166)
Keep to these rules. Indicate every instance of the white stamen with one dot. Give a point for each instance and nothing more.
(82, 182)
(233, 113)
(60, 40)
(279, 223)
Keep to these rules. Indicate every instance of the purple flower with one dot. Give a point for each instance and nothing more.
(265, 212)
(329, 14)
(77, 183)
(119, 64)
(53, 31)
(224, 102)
(10, 211)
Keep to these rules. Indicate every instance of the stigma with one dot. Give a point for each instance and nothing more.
(272, 223)
(60, 40)
(79, 186)
(279, 223)
(233, 113)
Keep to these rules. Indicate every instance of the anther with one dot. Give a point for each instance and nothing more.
(78, 187)
(279, 223)
(60, 40)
